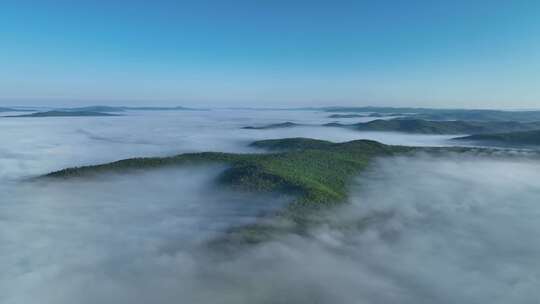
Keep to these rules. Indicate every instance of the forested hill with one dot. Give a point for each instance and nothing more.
(421, 126)
(512, 138)
(444, 127)
(317, 171)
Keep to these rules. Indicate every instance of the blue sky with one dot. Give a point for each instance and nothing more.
(271, 53)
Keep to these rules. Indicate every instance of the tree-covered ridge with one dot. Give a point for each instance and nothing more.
(99, 108)
(290, 144)
(444, 127)
(515, 138)
(317, 172)
(372, 115)
(446, 114)
(421, 126)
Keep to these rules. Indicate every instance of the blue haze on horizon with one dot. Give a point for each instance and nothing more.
(459, 53)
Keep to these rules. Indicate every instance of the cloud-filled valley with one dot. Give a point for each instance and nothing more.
(416, 229)
(39, 145)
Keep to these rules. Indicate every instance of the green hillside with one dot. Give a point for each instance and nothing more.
(421, 126)
(446, 114)
(443, 127)
(514, 138)
(315, 173)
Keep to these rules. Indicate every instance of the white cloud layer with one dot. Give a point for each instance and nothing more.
(40, 145)
(417, 229)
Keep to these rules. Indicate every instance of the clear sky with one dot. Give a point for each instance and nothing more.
(454, 53)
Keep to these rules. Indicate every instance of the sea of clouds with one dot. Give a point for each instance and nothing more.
(40, 145)
(450, 229)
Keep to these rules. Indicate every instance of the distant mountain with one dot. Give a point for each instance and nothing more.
(178, 108)
(63, 114)
(372, 115)
(347, 115)
(516, 138)
(384, 115)
(421, 126)
(4, 109)
(287, 124)
(274, 109)
(446, 114)
(521, 116)
(336, 124)
(93, 109)
(123, 108)
(442, 127)
(370, 109)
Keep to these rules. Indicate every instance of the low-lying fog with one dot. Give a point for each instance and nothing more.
(65, 239)
(417, 230)
(39, 145)
(454, 229)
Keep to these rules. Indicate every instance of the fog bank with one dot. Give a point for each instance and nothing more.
(84, 239)
(417, 230)
(33, 146)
